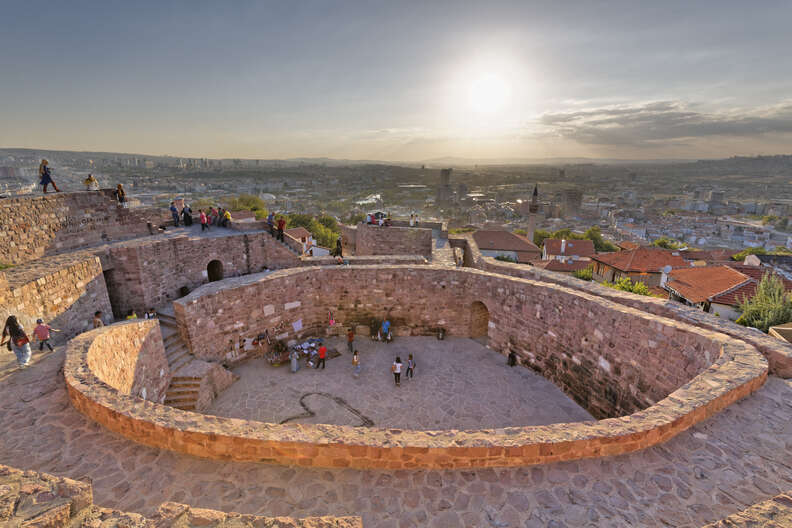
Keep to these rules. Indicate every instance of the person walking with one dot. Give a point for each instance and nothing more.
(281, 227)
(174, 214)
(410, 368)
(396, 368)
(204, 220)
(46, 177)
(42, 333)
(17, 341)
(356, 364)
(322, 356)
(351, 339)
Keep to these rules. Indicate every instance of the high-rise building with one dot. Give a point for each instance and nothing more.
(444, 191)
(572, 200)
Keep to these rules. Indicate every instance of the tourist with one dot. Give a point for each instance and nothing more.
(294, 358)
(281, 227)
(18, 341)
(213, 215)
(410, 368)
(119, 194)
(97, 320)
(174, 214)
(512, 361)
(187, 215)
(226, 218)
(351, 339)
(356, 364)
(384, 333)
(91, 183)
(42, 333)
(150, 314)
(131, 315)
(46, 177)
(322, 356)
(271, 223)
(412, 219)
(339, 252)
(396, 369)
(204, 220)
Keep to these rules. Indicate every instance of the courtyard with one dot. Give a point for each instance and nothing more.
(458, 384)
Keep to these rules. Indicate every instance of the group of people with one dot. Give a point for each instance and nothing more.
(91, 183)
(382, 220)
(17, 340)
(276, 226)
(215, 216)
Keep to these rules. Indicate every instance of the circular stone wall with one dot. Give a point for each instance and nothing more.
(649, 378)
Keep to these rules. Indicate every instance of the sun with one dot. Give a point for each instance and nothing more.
(488, 94)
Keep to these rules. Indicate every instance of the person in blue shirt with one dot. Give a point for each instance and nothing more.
(385, 331)
(175, 214)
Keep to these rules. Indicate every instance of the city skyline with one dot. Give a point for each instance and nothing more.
(404, 82)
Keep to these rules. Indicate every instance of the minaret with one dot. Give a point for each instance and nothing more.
(532, 210)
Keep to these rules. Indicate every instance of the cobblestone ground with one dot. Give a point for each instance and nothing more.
(459, 384)
(739, 457)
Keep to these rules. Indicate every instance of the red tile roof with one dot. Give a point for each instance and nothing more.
(699, 284)
(564, 267)
(746, 291)
(626, 244)
(641, 260)
(504, 241)
(712, 255)
(298, 232)
(581, 248)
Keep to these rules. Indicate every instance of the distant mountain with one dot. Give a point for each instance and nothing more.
(452, 161)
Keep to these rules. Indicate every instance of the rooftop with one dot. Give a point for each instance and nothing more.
(579, 248)
(642, 260)
(699, 284)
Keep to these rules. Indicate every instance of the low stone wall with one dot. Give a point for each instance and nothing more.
(375, 240)
(365, 261)
(348, 237)
(129, 357)
(736, 373)
(34, 499)
(777, 352)
(37, 225)
(772, 513)
(64, 290)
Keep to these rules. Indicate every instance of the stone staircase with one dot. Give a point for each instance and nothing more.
(183, 390)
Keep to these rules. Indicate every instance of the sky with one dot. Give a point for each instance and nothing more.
(398, 81)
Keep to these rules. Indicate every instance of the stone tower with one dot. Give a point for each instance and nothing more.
(532, 210)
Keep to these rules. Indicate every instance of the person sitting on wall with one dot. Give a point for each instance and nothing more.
(174, 214)
(131, 315)
(91, 183)
(226, 218)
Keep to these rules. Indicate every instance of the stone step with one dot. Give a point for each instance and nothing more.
(173, 359)
(189, 407)
(169, 324)
(180, 362)
(176, 348)
(180, 391)
(166, 317)
(173, 338)
(186, 385)
(176, 379)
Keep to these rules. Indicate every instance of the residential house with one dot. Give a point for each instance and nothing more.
(494, 243)
(567, 267)
(303, 236)
(639, 265)
(563, 249)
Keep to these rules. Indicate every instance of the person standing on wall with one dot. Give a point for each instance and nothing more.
(42, 333)
(396, 368)
(351, 339)
(339, 250)
(281, 227)
(18, 341)
(174, 214)
(322, 356)
(204, 220)
(46, 176)
(120, 194)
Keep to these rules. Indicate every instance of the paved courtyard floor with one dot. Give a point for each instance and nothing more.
(458, 384)
(739, 457)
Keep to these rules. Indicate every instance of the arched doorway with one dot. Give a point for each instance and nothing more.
(214, 270)
(479, 320)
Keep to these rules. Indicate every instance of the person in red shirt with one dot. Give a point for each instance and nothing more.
(204, 221)
(281, 227)
(42, 333)
(322, 356)
(351, 340)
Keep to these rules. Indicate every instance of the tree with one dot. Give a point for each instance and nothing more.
(667, 243)
(750, 251)
(522, 232)
(540, 235)
(625, 284)
(601, 245)
(771, 305)
(586, 274)
(247, 202)
(355, 218)
(506, 258)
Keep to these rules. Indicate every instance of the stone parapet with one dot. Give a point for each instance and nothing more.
(715, 370)
(772, 513)
(375, 240)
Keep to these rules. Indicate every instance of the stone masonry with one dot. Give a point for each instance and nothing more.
(375, 240)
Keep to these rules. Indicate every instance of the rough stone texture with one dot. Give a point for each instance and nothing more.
(64, 290)
(375, 240)
(129, 357)
(35, 226)
(777, 352)
(30, 499)
(735, 373)
(718, 467)
(212, 379)
(773, 513)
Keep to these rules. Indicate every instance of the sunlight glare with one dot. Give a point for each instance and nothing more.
(488, 94)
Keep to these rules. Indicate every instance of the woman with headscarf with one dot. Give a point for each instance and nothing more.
(18, 341)
(46, 176)
(120, 194)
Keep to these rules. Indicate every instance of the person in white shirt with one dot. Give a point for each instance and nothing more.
(396, 368)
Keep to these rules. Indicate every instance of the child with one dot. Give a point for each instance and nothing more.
(322, 356)
(410, 368)
(356, 363)
(42, 333)
(396, 369)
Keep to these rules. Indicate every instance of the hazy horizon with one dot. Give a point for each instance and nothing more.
(399, 82)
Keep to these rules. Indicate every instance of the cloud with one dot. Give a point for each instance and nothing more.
(662, 123)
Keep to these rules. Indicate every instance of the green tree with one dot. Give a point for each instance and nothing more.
(540, 235)
(247, 202)
(771, 305)
(601, 245)
(355, 219)
(625, 284)
(750, 251)
(522, 232)
(506, 258)
(667, 243)
(586, 274)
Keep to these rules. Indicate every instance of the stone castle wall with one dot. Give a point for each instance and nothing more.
(64, 290)
(375, 240)
(130, 357)
(611, 360)
(36, 226)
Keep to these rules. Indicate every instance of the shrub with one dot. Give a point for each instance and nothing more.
(771, 305)
(625, 284)
(585, 274)
(506, 258)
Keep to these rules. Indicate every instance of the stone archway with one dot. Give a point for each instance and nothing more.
(214, 270)
(479, 320)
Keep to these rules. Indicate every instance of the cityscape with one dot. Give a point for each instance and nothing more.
(344, 264)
